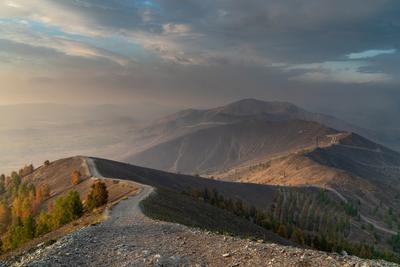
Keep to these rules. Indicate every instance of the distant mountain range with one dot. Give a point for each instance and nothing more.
(203, 141)
(277, 143)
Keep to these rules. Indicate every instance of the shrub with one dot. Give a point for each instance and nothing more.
(98, 195)
(46, 163)
(75, 177)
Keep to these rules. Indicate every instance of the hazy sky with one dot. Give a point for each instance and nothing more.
(342, 53)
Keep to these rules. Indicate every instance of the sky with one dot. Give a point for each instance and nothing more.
(340, 55)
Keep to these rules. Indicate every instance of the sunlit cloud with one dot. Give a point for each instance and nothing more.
(22, 33)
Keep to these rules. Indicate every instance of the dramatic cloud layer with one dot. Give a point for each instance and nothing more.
(199, 52)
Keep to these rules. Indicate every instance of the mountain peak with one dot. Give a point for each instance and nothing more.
(251, 106)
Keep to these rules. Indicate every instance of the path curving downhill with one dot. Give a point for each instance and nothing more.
(128, 238)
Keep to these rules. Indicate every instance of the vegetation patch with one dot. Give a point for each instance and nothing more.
(23, 217)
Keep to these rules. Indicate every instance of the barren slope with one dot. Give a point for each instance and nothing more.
(222, 147)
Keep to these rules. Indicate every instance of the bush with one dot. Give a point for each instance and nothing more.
(98, 195)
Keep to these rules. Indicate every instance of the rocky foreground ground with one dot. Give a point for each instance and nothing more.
(128, 238)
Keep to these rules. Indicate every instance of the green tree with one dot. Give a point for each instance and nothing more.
(282, 231)
(5, 216)
(98, 195)
(29, 228)
(42, 224)
(66, 209)
(2, 184)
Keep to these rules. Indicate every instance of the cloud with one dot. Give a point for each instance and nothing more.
(370, 53)
(338, 72)
(21, 32)
(210, 49)
(13, 4)
(171, 28)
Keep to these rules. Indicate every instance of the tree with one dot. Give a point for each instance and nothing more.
(98, 195)
(282, 231)
(16, 180)
(74, 205)
(43, 192)
(42, 224)
(298, 236)
(76, 177)
(2, 184)
(26, 170)
(5, 216)
(29, 226)
(66, 209)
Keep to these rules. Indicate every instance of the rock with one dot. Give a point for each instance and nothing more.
(146, 253)
(226, 255)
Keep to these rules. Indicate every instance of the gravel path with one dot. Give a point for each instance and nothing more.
(128, 238)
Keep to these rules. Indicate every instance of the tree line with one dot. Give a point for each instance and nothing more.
(311, 219)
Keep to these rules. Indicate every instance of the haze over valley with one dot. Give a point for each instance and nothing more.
(199, 133)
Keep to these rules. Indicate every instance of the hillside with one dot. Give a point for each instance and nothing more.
(360, 171)
(224, 146)
(33, 207)
(58, 177)
(204, 141)
(300, 217)
(309, 208)
(128, 237)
